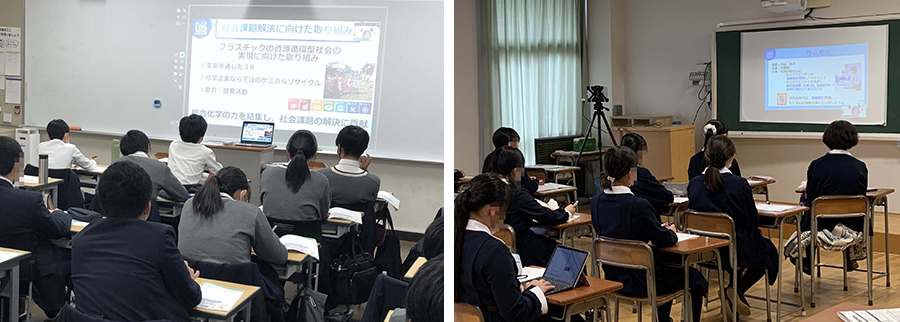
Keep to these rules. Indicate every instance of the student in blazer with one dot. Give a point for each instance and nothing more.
(698, 162)
(718, 190)
(645, 185)
(617, 212)
(505, 136)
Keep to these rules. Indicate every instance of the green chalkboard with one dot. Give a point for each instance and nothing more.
(728, 69)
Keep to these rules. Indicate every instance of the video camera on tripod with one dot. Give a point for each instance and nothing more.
(597, 95)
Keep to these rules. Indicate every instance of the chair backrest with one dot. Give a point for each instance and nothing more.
(715, 224)
(508, 235)
(840, 205)
(465, 312)
(623, 253)
(316, 165)
(160, 155)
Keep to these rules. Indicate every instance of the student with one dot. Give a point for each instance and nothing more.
(60, 153)
(188, 158)
(219, 225)
(617, 212)
(646, 186)
(127, 269)
(29, 225)
(135, 147)
(836, 173)
(718, 190)
(698, 162)
(295, 194)
(425, 297)
(351, 183)
(533, 249)
(486, 271)
(505, 136)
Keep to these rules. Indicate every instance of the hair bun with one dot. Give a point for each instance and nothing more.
(709, 127)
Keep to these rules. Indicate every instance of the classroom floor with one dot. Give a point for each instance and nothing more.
(290, 291)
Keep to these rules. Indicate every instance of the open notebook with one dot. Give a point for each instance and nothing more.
(870, 315)
(345, 214)
(301, 244)
(218, 297)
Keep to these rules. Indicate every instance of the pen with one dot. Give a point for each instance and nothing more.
(274, 227)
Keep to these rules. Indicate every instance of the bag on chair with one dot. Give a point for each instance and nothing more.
(353, 273)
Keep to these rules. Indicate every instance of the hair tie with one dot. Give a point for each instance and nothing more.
(610, 179)
(709, 127)
(717, 160)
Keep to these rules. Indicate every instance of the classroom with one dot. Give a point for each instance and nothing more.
(650, 160)
(221, 160)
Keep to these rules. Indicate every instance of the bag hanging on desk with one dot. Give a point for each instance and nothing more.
(387, 257)
(83, 214)
(353, 273)
(307, 306)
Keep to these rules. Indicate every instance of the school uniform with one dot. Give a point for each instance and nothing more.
(28, 225)
(619, 213)
(698, 164)
(835, 173)
(60, 155)
(350, 184)
(736, 199)
(527, 183)
(523, 210)
(165, 183)
(127, 269)
(188, 161)
(647, 187)
(487, 279)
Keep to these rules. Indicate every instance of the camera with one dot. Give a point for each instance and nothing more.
(597, 94)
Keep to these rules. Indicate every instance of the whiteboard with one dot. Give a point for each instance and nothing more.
(101, 64)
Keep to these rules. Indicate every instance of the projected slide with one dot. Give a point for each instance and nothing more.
(818, 78)
(300, 74)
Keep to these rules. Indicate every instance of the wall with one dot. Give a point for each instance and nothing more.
(12, 14)
(666, 39)
(466, 126)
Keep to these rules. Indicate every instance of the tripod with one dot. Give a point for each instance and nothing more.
(598, 98)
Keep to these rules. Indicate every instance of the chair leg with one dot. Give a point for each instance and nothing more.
(640, 314)
(844, 260)
(812, 279)
(706, 299)
(869, 263)
(634, 308)
(768, 302)
(616, 318)
(818, 260)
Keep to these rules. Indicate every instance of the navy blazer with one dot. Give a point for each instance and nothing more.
(698, 164)
(131, 270)
(28, 224)
(625, 216)
(523, 210)
(835, 174)
(736, 199)
(647, 187)
(487, 279)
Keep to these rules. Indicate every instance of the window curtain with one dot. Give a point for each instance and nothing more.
(532, 55)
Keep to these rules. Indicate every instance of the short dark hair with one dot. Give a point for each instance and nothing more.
(57, 129)
(508, 159)
(10, 153)
(503, 136)
(192, 128)
(634, 141)
(353, 140)
(425, 297)
(124, 190)
(433, 242)
(134, 141)
(840, 135)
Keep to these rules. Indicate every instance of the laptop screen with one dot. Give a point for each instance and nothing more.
(566, 264)
(256, 132)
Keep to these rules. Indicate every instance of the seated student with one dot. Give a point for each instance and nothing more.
(29, 225)
(619, 213)
(646, 186)
(836, 173)
(425, 297)
(60, 153)
(505, 136)
(698, 162)
(351, 184)
(485, 270)
(718, 190)
(127, 269)
(295, 194)
(135, 147)
(533, 249)
(188, 158)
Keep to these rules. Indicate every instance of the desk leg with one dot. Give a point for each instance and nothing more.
(686, 307)
(780, 275)
(887, 245)
(14, 294)
(247, 314)
(797, 273)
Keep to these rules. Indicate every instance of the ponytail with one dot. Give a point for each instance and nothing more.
(208, 200)
(484, 190)
(301, 146)
(719, 150)
(617, 163)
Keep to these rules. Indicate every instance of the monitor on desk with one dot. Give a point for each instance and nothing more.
(566, 264)
(257, 133)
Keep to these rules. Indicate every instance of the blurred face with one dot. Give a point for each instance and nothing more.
(514, 144)
(517, 174)
(496, 216)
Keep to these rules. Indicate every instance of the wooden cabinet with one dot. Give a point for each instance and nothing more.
(669, 149)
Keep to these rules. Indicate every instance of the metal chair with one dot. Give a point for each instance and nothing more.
(831, 207)
(508, 235)
(465, 312)
(633, 255)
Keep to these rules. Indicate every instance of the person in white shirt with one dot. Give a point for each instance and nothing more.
(60, 152)
(188, 158)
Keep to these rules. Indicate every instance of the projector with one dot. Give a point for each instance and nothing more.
(782, 6)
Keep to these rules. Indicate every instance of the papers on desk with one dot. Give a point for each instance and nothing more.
(345, 214)
(871, 189)
(5, 255)
(76, 222)
(531, 273)
(753, 182)
(760, 178)
(870, 315)
(164, 160)
(552, 205)
(773, 208)
(217, 297)
(682, 236)
(389, 197)
(301, 244)
(99, 169)
(680, 200)
(28, 179)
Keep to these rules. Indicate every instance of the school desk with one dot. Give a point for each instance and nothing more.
(665, 179)
(246, 158)
(760, 185)
(549, 189)
(676, 208)
(10, 266)
(176, 208)
(831, 314)
(556, 171)
(780, 218)
(578, 225)
(584, 297)
(243, 303)
(878, 197)
(570, 156)
(388, 316)
(693, 251)
(414, 268)
(52, 186)
(463, 183)
(295, 260)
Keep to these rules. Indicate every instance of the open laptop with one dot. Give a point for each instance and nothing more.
(565, 269)
(257, 134)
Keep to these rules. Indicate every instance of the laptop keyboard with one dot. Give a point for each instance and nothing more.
(558, 285)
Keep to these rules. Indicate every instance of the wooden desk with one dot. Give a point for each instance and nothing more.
(780, 218)
(585, 297)
(579, 226)
(176, 206)
(52, 185)
(676, 208)
(760, 187)
(692, 251)
(463, 183)
(10, 266)
(557, 171)
(830, 314)
(665, 179)
(414, 268)
(74, 229)
(84, 172)
(243, 304)
(549, 189)
(295, 260)
(570, 156)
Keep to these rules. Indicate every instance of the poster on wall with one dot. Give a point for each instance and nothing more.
(10, 39)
